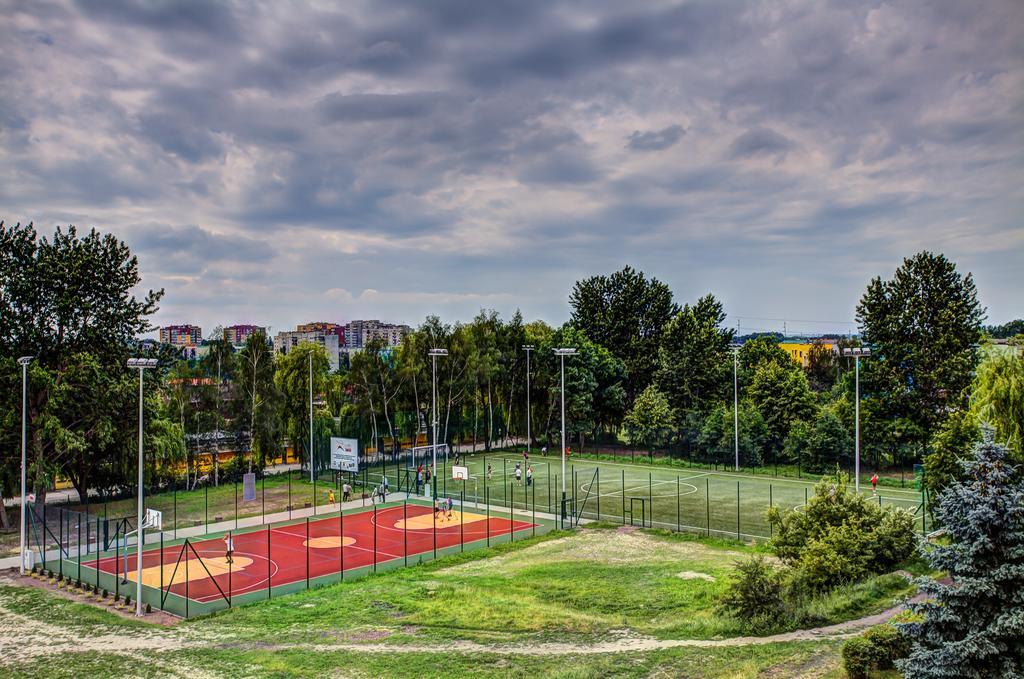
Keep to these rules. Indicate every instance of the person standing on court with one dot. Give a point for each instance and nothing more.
(229, 548)
(346, 492)
(529, 476)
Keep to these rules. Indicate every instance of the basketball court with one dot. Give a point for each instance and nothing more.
(272, 560)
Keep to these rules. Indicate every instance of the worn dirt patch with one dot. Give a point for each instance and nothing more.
(693, 575)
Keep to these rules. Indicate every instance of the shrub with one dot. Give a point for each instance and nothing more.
(876, 649)
(841, 536)
(756, 593)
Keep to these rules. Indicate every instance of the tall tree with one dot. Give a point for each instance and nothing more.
(694, 361)
(293, 381)
(62, 297)
(626, 313)
(998, 398)
(924, 325)
(783, 398)
(974, 625)
(650, 421)
(257, 416)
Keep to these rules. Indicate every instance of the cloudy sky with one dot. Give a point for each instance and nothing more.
(278, 164)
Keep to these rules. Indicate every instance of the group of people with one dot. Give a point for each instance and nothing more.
(443, 508)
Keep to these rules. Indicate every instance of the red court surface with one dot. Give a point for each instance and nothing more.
(280, 555)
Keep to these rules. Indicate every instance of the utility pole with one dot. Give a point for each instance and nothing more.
(142, 364)
(857, 353)
(562, 353)
(23, 361)
(434, 353)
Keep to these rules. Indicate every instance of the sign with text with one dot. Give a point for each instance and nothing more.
(344, 454)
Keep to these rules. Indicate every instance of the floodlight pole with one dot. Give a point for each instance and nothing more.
(24, 361)
(736, 402)
(562, 353)
(528, 348)
(856, 352)
(434, 353)
(141, 364)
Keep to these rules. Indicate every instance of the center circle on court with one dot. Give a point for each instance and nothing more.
(329, 542)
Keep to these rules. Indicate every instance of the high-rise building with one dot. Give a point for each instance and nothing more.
(359, 333)
(324, 327)
(237, 334)
(181, 335)
(285, 341)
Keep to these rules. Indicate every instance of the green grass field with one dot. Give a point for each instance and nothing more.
(717, 503)
(591, 603)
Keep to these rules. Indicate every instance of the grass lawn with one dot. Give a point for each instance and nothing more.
(558, 605)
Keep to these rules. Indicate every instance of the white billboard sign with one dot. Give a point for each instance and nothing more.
(345, 454)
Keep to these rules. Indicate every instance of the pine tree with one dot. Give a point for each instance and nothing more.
(974, 626)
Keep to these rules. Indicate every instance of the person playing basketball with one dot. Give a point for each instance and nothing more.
(229, 548)
(450, 503)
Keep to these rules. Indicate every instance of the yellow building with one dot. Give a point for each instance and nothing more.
(800, 352)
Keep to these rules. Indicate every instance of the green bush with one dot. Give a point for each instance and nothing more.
(756, 594)
(876, 649)
(841, 536)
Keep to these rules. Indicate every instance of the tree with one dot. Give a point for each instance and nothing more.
(594, 393)
(822, 367)
(763, 349)
(951, 446)
(974, 625)
(694, 361)
(818, 445)
(625, 313)
(717, 437)
(257, 415)
(781, 394)
(998, 398)
(649, 422)
(1006, 330)
(63, 298)
(924, 325)
(293, 381)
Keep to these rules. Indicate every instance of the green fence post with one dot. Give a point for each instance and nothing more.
(435, 528)
(341, 543)
(624, 497)
(678, 515)
(263, 497)
(236, 528)
(270, 586)
(771, 527)
(98, 550)
(307, 552)
(737, 510)
(598, 476)
(707, 500)
(405, 530)
(462, 518)
(374, 538)
(206, 508)
(487, 504)
(87, 538)
(289, 475)
(534, 491)
(650, 490)
(60, 542)
(161, 570)
(175, 492)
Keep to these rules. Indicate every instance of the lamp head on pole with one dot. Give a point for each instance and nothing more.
(142, 363)
(528, 347)
(565, 351)
(857, 352)
(25, 360)
(437, 352)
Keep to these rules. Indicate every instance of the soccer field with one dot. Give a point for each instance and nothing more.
(719, 503)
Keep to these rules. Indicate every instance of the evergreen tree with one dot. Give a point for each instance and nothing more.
(924, 326)
(694, 362)
(974, 626)
(626, 313)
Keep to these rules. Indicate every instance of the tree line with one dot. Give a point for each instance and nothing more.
(649, 373)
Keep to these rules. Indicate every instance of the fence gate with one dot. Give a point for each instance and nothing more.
(633, 502)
